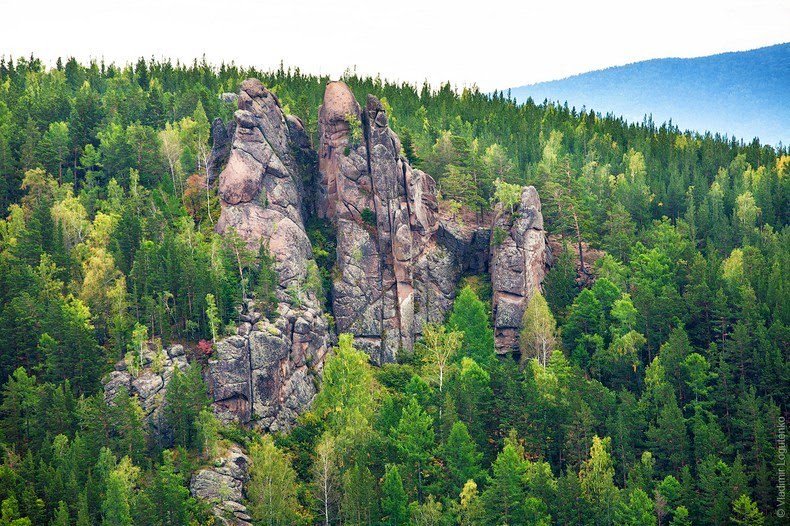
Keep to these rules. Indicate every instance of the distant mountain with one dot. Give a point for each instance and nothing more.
(745, 94)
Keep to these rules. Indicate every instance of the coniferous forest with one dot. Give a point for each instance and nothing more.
(653, 378)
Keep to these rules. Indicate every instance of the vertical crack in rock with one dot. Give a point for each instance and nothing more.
(391, 263)
(264, 376)
(518, 266)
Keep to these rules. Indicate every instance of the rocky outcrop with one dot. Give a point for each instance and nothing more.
(222, 486)
(393, 274)
(519, 259)
(266, 374)
(398, 262)
(148, 384)
(261, 186)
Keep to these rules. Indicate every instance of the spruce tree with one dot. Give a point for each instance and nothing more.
(470, 317)
(394, 502)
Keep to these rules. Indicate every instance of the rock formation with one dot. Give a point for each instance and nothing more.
(398, 266)
(222, 486)
(266, 374)
(398, 262)
(149, 384)
(519, 259)
(393, 274)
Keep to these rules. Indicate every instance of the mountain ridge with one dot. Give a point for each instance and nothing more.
(736, 93)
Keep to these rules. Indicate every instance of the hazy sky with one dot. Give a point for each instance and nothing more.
(494, 44)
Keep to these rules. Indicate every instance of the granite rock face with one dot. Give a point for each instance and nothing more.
(149, 384)
(266, 374)
(222, 486)
(394, 274)
(519, 259)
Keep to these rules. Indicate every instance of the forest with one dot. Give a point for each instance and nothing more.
(652, 383)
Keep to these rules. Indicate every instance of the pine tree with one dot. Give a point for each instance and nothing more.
(470, 317)
(415, 437)
(745, 512)
(560, 286)
(393, 498)
(585, 318)
(83, 513)
(170, 498)
(668, 437)
(462, 459)
(504, 499)
(680, 517)
(18, 410)
(61, 515)
(359, 501)
(184, 399)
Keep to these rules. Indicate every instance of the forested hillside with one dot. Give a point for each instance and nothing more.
(651, 383)
(743, 93)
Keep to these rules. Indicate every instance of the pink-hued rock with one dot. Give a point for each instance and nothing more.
(265, 375)
(386, 215)
(518, 266)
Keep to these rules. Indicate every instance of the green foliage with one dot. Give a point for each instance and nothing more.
(272, 489)
(393, 498)
(538, 331)
(498, 236)
(505, 499)
(675, 349)
(462, 459)
(267, 281)
(507, 194)
(597, 481)
(415, 438)
(368, 217)
(212, 315)
(470, 317)
(347, 385)
(560, 286)
(184, 400)
(745, 512)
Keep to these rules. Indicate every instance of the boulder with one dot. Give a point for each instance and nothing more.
(222, 486)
